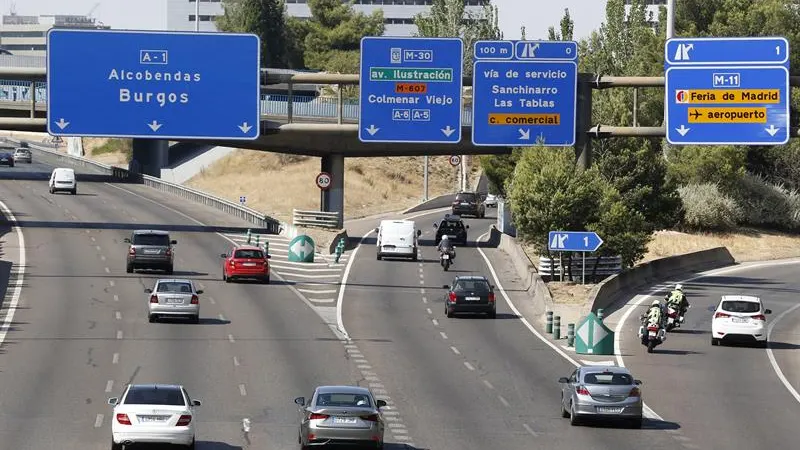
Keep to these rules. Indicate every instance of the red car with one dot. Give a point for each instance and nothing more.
(246, 261)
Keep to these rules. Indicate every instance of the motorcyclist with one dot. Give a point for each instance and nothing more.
(677, 299)
(654, 314)
(445, 246)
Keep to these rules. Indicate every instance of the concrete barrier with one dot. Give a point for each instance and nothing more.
(534, 285)
(607, 292)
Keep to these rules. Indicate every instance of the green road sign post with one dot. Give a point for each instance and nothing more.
(592, 337)
(301, 249)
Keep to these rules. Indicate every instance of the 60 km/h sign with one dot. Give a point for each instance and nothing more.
(324, 180)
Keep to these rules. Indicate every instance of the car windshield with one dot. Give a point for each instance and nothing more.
(154, 396)
(338, 400)
(466, 197)
(257, 254)
(616, 379)
(452, 226)
(476, 286)
(151, 239)
(175, 287)
(738, 306)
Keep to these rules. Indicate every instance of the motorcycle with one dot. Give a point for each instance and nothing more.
(446, 258)
(652, 335)
(674, 317)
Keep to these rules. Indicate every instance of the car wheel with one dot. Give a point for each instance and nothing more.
(226, 278)
(196, 319)
(637, 423)
(492, 315)
(74, 191)
(449, 312)
(265, 280)
(714, 341)
(115, 446)
(573, 418)
(564, 412)
(378, 257)
(151, 318)
(52, 191)
(129, 268)
(192, 445)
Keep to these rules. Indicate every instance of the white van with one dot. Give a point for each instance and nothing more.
(397, 238)
(63, 179)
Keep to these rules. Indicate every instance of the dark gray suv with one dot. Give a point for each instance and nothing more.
(150, 249)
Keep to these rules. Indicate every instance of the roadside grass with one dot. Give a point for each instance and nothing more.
(108, 151)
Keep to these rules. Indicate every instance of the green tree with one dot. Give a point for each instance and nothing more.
(567, 28)
(265, 18)
(499, 168)
(723, 165)
(625, 231)
(333, 38)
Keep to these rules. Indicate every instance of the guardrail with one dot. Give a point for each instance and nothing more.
(550, 268)
(257, 218)
(319, 219)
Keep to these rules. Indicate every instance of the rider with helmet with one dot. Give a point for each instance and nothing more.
(445, 246)
(677, 299)
(655, 313)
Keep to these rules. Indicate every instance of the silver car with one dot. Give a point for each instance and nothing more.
(348, 415)
(601, 392)
(23, 155)
(173, 298)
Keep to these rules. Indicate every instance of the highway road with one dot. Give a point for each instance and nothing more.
(81, 331)
(468, 382)
(726, 397)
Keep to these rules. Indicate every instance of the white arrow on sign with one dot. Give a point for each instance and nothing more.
(245, 127)
(559, 240)
(372, 130)
(154, 126)
(524, 135)
(302, 248)
(682, 130)
(772, 130)
(62, 123)
(448, 131)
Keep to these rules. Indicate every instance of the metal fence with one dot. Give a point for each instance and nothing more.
(319, 219)
(550, 268)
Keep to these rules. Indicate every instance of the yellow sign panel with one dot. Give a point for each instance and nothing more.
(524, 119)
(739, 96)
(727, 115)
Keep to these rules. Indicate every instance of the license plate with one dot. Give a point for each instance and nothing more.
(150, 251)
(472, 299)
(445, 256)
(344, 420)
(249, 264)
(738, 320)
(652, 334)
(150, 419)
(174, 300)
(608, 410)
(464, 204)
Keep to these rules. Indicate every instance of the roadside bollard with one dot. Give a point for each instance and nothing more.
(570, 334)
(249, 234)
(266, 247)
(258, 240)
(548, 327)
(600, 314)
(557, 327)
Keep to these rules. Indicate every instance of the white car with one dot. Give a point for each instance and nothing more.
(491, 201)
(63, 179)
(173, 298)
(739, 318)
(153, 414)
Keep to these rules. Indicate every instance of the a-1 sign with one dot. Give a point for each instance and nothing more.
(410, 90)
(524, 93)
(727, 91)
(573, 241)
(165, 85)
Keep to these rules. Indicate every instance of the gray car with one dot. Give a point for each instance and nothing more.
(150, 249)
(601, 392)
(173, 298)
(23, 155)
(345, 415)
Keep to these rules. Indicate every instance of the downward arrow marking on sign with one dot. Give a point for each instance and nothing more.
(372, 130)
(154, 126)
(771, 130)
(62, 123)
(682, 130)
(448, 131)
(245, 127)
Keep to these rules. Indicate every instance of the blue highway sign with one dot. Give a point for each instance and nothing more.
(524, 92)
(164, 85)
(573, 241)
(410, 90)
(741, 101)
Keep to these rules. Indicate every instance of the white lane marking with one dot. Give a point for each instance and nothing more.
(468, 366)
(102, 258)
(489, 385)
(107, 269)
(397, 432)
(236, 361)
(530, 430)
(222, 318)
(109, 385)
(111, 283)
(119, 334)
(20, 272)
(421, 269)
(422, 291)
(435, 322)
(322, 300)
(424, 300)
(364, 366)
(98, 421)
(421, 281)
(211, 300)
(455, 350)
(429, 310)
(597, 363)
(377, 385)
(230, 338)
(503, 401)
(242, 390)
(396, 425)
(97, 247)
(443, 335)
(115, 359)
(287, 269)
(118, 315)
(642, 298)
(771, 356)
(116, 297)
(402, 437)
(92, 238)
(322, 291)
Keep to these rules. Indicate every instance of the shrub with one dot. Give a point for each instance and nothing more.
(707, 208)
(766, 204)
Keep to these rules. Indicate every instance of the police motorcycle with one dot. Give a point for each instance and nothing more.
(674, 316)
(652, 332)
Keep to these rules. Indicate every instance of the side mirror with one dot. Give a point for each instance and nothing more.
(380, 403)
(113, 401)
(223, 255)
(173, 242)
(300, 401)
(199, 291)
(377, 230)
(445, 286)
(767, 311)
(712, 308)
(435, 226)
(637, 382)
(563, 380)
(268, 257)
(148, 291)
(466, 226)
(197, 403)
(419, 232)
(127, 240)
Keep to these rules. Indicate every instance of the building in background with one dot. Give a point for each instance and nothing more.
(398, 14)
(652, 9)
(26, 36)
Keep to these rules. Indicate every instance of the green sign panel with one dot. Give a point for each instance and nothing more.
(301, 249)
(593, 338)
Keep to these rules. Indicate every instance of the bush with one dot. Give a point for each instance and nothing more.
(765, 204)
(722, 165)
(707, 208)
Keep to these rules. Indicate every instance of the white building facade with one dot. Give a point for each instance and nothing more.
(27, 35)
(652, 6)
(181, 14)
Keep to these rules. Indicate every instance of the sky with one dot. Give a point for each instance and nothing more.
(535, 15)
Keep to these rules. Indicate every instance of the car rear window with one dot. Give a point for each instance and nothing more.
(738, 306)
(337, 400)
(615, 379)
(174, 286)
(257, 254)
(477, 286)
(151, 239)
(466, 196)
(154, 396)
(452, 225)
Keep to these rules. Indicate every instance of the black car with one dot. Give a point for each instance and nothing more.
(454, 228)
(470, 294)
(469, 204)
(6, 159)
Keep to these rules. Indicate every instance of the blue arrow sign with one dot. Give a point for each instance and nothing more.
(727, 91)
(524, 92)
(410, 90)
(140, 84)
(573, 241)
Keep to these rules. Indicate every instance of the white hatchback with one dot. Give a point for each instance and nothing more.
(741, 318)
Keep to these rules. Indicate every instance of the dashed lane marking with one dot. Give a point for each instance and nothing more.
(236, 361)
(455, 350)
(98, 421)
(118, 315)
(109, 386)
(115, 359)
(503, 401)
(242, 390)
(321, 291)
(119, 334)
(488, 384)
(230, 338)
(443, 335)
(530, 430)
(468, 366)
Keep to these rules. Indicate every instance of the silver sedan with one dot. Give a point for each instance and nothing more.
(173, 298)
(347, 415)
(601, 392)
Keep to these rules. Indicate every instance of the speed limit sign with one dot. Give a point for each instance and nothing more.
(455, 160)
(324, 180)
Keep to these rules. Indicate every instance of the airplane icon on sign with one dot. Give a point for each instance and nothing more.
(695, 114)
